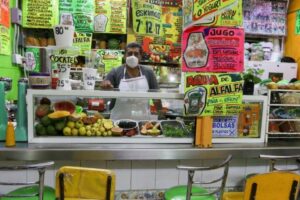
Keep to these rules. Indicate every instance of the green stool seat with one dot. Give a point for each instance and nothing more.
(179, 193)
(49, 193)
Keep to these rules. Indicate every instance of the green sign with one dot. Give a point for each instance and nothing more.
(297, 26)
(5, 48)
(110, 58)
(110, 16)
(40, 14)
(147, 18)
(78, 13)
(83, 41)
(212, 94)
(205, 9)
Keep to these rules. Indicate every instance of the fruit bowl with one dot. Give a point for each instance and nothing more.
(130, 127)
(149, 128)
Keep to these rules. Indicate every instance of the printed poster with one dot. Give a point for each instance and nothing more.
(77, 13)
(212, 94)
(5, 13)
(147, 17)
(110, 58)
(213, 49)
(83, 41)
(225, 127)
(32, 56)
(165, 48)
(265, 17)
(110, 16)
(231, 15)
(5, 48)
(250, 120)
(40, 14)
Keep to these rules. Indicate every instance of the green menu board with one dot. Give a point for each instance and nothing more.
(78, 13)
(110, 16)
(40, 13)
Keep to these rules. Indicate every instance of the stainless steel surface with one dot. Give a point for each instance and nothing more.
(78, 152)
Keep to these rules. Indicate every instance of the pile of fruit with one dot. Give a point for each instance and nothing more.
(61, 119)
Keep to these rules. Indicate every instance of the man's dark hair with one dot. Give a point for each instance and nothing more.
(134, 45)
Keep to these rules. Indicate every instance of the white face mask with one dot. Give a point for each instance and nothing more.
(132, 61)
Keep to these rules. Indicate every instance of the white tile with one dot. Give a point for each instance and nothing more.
(255, 165)
(236, 174)
(166, 174)
(32, 175)
(211, 174)
(94, 164)
(183, 174)
(12, 176)
(123, 173)
(143, 175)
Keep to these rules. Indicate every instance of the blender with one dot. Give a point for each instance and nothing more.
(5, 86)
(21, 129)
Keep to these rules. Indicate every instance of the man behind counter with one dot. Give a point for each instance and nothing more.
(132, 77)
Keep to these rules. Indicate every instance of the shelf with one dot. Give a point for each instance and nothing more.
(104, 94)
(284, 120)
(287, 105)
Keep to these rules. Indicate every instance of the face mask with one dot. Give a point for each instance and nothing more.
(132, 61)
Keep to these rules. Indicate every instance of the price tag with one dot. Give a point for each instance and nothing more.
(64, 84)
(63, 70)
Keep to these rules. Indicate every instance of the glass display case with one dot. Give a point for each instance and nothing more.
(283, 114)
(82, 116)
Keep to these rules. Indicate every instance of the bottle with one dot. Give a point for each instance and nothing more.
(10, 135)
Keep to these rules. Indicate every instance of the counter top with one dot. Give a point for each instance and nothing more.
(31, 152)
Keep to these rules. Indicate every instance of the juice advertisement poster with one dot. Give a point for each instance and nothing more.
(213, 49)
(230, 14)
(212, 94)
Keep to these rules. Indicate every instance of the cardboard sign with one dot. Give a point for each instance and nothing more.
(215, 49)
(225, 126)
(147, 17)
(110, 16)
(231, 15)
(39, 14)
(212, 94)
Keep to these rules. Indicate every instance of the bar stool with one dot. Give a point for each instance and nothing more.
(33, 189)
(274, 158)
(195, 190)
(275, 185)
(77, 183)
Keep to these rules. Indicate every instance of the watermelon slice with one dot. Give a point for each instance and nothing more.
(64, 106)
